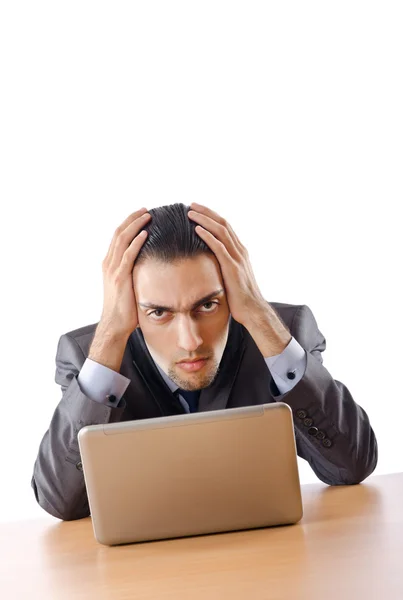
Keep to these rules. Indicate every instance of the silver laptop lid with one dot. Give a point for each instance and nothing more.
(191, 474)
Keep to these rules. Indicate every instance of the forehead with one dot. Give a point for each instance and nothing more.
(179, 283)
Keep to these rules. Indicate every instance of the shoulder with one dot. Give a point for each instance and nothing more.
(286, 312)
(81, 336)
(301, 323)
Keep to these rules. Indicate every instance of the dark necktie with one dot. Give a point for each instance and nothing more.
(192, 398)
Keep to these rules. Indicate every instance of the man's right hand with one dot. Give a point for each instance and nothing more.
(119, 313)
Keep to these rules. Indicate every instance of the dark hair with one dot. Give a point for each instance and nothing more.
(171, 235)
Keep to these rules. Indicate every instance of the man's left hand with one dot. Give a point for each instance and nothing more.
(243, 294)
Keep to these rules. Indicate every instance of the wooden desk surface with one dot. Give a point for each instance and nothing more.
(348, 545)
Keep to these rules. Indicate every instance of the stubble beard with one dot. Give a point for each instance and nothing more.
(199, 382)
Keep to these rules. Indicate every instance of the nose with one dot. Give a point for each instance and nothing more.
(189, 338)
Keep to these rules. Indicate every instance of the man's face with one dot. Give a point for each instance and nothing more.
(181, 331)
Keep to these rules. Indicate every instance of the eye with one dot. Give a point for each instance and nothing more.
(159, 310)
(213, 303)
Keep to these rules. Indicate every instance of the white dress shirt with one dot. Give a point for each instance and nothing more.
(97, 381)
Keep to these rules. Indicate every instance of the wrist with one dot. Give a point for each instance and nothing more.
(107, 330)
(108, 348)
(268, 332)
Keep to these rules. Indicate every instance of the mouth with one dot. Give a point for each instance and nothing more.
(194, 365)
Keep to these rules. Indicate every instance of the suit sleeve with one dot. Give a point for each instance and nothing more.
(58, 480)
(332, 432)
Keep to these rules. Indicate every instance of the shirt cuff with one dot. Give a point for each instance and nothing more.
(291, 360)
(97, 382)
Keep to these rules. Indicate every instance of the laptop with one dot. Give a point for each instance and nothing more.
(191, 474)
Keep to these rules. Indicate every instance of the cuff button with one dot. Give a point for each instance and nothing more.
(327, 443)
(79, 466)
(291, 374)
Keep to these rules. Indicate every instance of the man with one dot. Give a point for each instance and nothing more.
(184, 327)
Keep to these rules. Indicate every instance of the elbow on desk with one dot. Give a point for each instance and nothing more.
(363, 464)
(356, 469)
(64, 513)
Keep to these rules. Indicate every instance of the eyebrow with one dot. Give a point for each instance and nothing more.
(172, 309)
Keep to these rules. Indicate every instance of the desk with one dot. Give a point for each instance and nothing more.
(348, 545)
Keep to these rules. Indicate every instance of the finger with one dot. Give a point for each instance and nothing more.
(205, 210)
(124, 239)
(132, 252)
(218, 247)
(220, 231)
(124, 225)
(200, 208)
(131, 218)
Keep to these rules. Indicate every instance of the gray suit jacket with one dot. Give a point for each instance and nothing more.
(332, 431)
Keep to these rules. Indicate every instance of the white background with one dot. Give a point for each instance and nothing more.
(284, 117)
